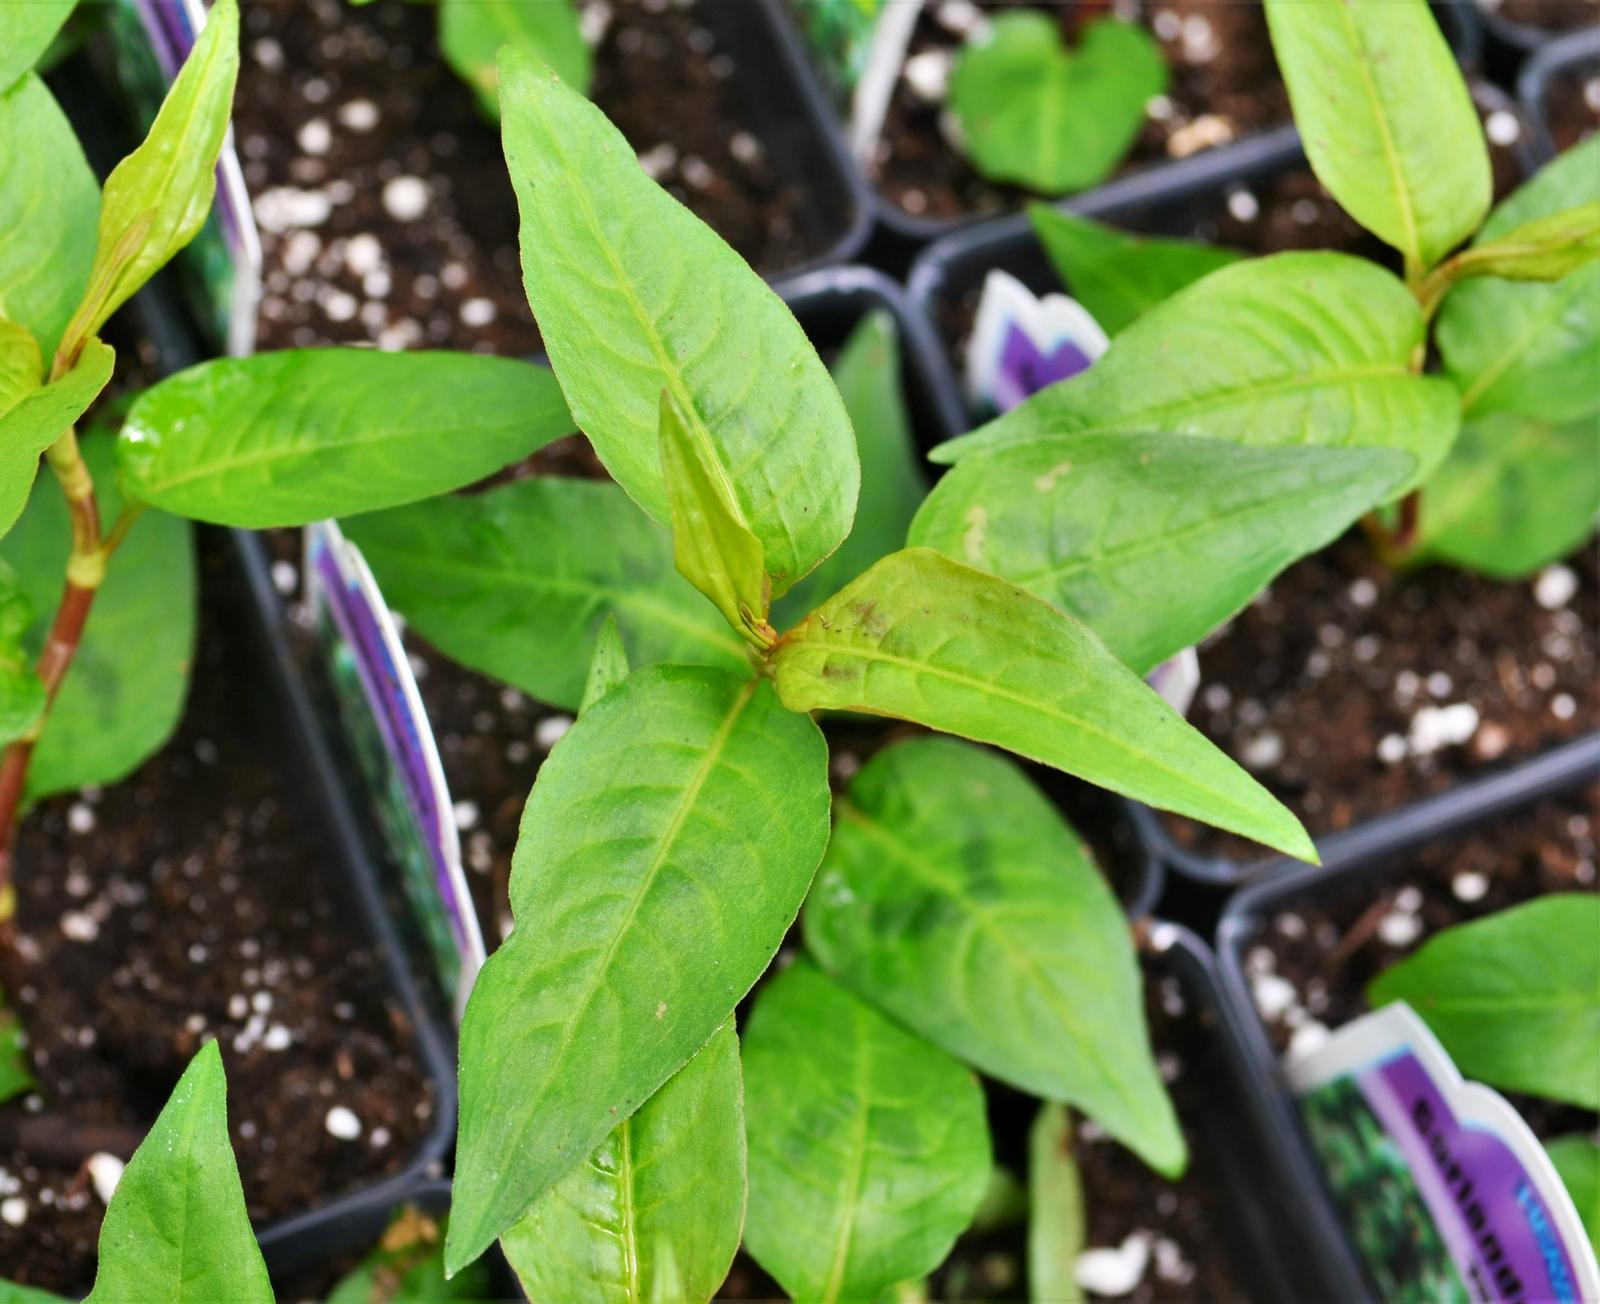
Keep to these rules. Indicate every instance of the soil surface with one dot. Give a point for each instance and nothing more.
(1547, 15)
(1572, 106)
(194, 901)
(385, 209)
(1310, 965)
(1223, 86)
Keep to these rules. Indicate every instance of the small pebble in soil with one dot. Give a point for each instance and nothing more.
(1469, 885)
(405, 198)
(549, 731)
(928, 74)
(342, 1124)
(359, 115)
(1308, 1037)
(1436, 727)
(466, 813)
(1555, 587)
(1399, 928)
(105, 1171)
(1502, 128)
(80, 818)
(14, 1210)
(79, 926)
(1114, 1272)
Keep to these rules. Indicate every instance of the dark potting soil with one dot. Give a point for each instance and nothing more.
(385, 209)
(1223, 85)
(188, 902)
(1310, 965)
(1546, 15)
(1572, 106)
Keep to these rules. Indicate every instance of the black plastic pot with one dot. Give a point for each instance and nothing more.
(1575, 52)
(1507, 43)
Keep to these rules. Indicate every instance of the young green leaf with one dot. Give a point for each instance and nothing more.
(1531, 349)
(634, 294)
(16, 1074)
(38, 419)
(924, 638)
(1299, 348)
(516, 583)
(1544, 249)
(608, 667)
(1514, 996)
(665, 850)
(472, 32)
(22, 696)
(21, 365)
(177, 1229)
(407, 1267)
(1577, 1159)
(1056, 120)
(26, 30)
(715, 550)
(1057, 1226)
(1120, 277)
(49, 202)
(114, 709)
(955, 898)
(1150, 540)
(157, 198)
(867, 372)
(1514, 495)
(289, 438)
(655, 1212)
(1386, 118)
(869, 1152)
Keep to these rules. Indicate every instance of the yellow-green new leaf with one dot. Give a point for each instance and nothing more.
(634, 294)
(39, 418)
(472, 32)
(21, 364)
(1543, 249)
(157, 198)
(656, 1211)
(1386, 119)
(924, 638)
(713, 547)
(608, 667)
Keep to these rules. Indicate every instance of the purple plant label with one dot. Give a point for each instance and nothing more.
(387, 729)
(1444, 1189)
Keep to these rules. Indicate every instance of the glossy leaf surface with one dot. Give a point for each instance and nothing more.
(38, 418)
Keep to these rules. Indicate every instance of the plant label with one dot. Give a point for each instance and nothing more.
(861, 48)
(1443, 1188)
(387, 730)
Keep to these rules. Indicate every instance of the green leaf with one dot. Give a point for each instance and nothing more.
(608, 667)
(655, 1212)
(927, 639)
(1150, 540)
(22, 696)
(1300, 348)
(49, 203)
(12, 1292)
(1514, 996)
(665, 851)
(867, 372)
(26, 31)
(157, 198)
(41, 417)
(634, 294)
(1577, 1159)
(713, 547)
(21, 366)
(1057, 1226)
(955, 897)
(1545, 249)
(472, 32)
(1514, 495)
(177, 1228)
(1120, 277)
(869, 1151)
(1386, 118)
(289, 438)
(16, 1073)
(124, 694)
(1531, 349)
(516, 583)
(1056, 120)
(407, 1267)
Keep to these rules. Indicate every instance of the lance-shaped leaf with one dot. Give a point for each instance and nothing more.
(472, 32)
(924, 638)
(1514, 996)
(177, 1229)
(39, 418)
(288, 438)
(1057, 1225)
(1386, 118)
(1515, 494)
(713, 547)
(49, 202)
(516, 583)
(655, 1212)
(114, 709)
(21, 690)
(26, 30)
(869, 1153)
(955, 897)
(665, 851)
(157, 198)
(1150, 540)
(1532, 349)
(634, 294)
(1116, 276)
(1544, 249)
(1291, 349)
(1577, 1159)
(608, 667)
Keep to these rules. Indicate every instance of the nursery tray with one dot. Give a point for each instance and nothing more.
(1539, 86)
(1508, 40)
